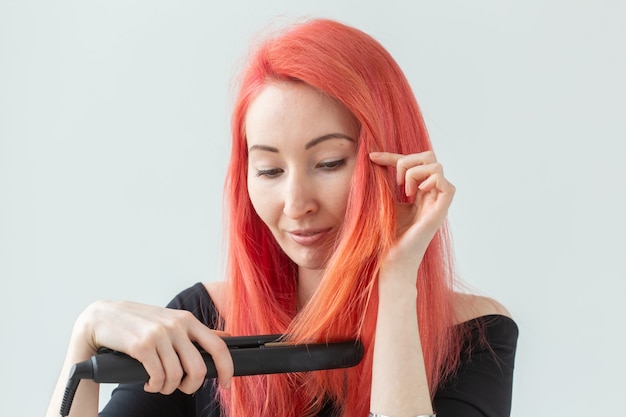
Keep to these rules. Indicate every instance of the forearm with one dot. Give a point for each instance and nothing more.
(85, 403)
(399, 382)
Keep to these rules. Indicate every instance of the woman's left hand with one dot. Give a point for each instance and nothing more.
(431, 195)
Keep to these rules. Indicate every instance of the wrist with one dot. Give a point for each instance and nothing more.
(397, 293)
(403, 269)
(397, 287)
(83, 334)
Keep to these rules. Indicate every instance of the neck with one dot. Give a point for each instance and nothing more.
(308, 281)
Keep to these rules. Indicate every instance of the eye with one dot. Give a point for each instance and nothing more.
(270, 173)
(331, 165)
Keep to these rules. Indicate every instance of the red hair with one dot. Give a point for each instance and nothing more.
(355, 70)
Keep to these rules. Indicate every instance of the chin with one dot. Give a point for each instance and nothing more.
(309, 262)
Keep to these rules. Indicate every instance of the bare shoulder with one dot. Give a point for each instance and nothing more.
(471, 306)
(218, 290)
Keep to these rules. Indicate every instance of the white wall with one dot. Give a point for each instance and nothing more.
(114, 137)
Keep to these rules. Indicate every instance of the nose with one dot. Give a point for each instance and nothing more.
(300, 197)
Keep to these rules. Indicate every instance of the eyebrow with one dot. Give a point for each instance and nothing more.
(308, 145)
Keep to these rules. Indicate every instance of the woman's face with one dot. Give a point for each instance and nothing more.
(302, 151)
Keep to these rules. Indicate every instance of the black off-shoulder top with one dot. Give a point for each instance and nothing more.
(481, 387)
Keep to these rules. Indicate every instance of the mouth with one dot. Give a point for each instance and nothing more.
(308, 237)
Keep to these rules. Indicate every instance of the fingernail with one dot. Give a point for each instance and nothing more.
(375, 154)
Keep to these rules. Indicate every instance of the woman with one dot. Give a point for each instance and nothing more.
(337, 210)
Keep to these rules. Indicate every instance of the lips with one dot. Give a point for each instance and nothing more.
(308, 237)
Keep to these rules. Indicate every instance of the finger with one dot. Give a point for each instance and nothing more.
(438, 190)
(385, 158)
(220, 333)
(410, 161)
(172, 367)
(193, 365)
(216, 347)
(416, 175)
(402, 162)
(437, 182)
(154, 367)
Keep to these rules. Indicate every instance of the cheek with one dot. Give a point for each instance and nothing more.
(344, 201)
(338, 198)
(261, 202)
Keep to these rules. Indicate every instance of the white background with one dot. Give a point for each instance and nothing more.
(114, 139)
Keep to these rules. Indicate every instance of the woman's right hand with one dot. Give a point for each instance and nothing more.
(161, 339)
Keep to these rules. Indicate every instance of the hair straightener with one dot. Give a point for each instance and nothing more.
(252, 355)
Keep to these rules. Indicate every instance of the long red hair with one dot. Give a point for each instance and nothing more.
(354, 69)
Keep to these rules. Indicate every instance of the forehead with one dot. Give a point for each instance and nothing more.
(291, 111)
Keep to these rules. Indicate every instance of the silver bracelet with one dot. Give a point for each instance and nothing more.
(382, 415)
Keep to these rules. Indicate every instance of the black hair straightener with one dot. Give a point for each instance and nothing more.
(252, 355)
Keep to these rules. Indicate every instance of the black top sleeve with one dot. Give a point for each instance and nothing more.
(481, 387)
(483, 383)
